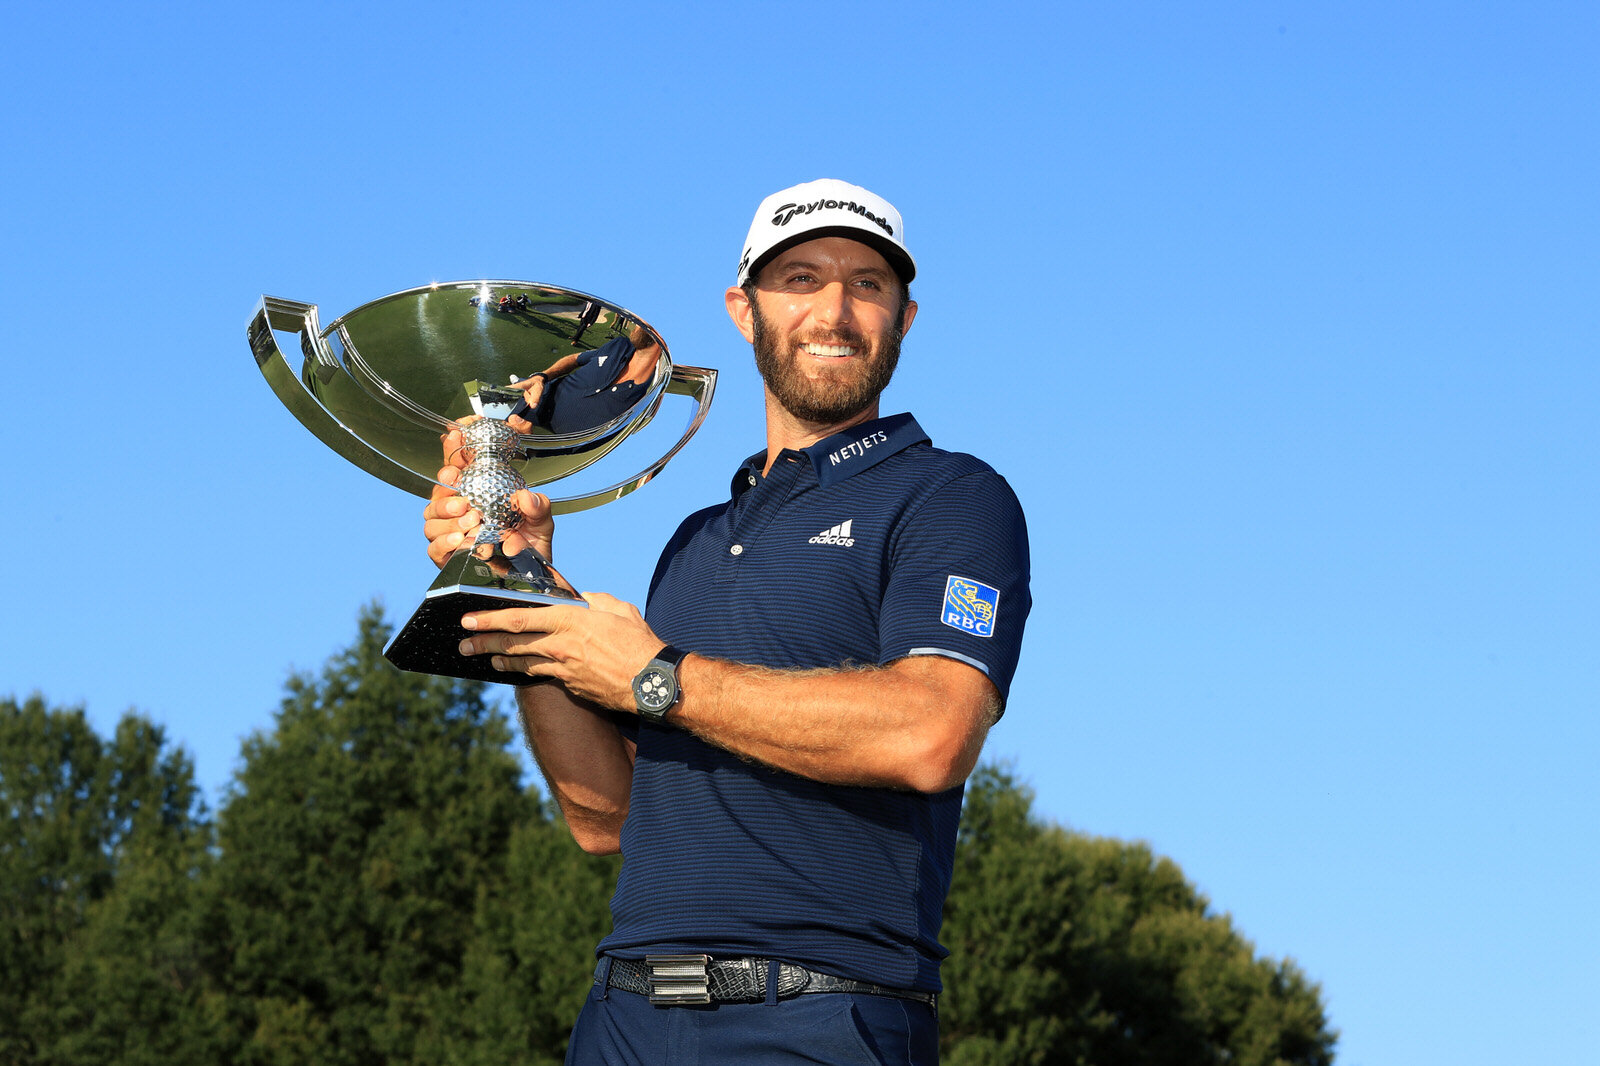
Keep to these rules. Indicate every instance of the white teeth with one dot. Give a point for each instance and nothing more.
(829, 349)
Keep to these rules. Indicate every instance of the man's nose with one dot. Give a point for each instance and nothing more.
(834, 307)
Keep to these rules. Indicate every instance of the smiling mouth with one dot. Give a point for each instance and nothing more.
(829, 351)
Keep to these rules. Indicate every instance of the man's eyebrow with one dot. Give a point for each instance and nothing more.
(795, 264)
(789, 265)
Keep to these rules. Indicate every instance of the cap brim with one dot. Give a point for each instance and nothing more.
(899, 261)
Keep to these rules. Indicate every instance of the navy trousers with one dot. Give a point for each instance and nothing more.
(618, 1028)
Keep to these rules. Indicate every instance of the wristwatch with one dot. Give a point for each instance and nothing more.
(655, 688)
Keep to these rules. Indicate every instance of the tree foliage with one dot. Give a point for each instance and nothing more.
(380, 887)
(1075, 949)
(83, 817)
(529, 966)
(355, 845)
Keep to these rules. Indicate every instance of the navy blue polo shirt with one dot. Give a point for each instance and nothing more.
(865, 548)
(590, 396)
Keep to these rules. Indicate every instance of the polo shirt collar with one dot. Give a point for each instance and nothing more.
(843, 455)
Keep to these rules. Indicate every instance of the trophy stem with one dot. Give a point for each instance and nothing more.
(479, 577)
(490, 480)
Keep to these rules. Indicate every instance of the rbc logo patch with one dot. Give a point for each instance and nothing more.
(970, 606)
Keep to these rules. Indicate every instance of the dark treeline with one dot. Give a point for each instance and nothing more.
(379, 887)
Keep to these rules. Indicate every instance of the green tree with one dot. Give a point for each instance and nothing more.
(530, 965)
(81, 815)
(380, 888)
(356, 842)
(1074, 949)
(134, 988)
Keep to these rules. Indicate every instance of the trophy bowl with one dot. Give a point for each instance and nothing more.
(546, 381)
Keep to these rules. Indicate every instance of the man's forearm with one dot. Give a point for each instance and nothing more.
(918, 723)
(586, 762)
(561, 367)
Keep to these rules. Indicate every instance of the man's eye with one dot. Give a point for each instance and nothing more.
(869, 283)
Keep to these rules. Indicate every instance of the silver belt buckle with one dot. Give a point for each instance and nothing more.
(678, 980)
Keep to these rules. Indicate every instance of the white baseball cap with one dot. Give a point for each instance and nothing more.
(827, 207)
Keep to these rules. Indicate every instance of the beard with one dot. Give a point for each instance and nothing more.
(835, 395)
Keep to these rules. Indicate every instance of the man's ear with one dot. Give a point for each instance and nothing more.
(910, 315)
(739, 309)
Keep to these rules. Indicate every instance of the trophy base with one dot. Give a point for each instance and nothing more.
(429, 642)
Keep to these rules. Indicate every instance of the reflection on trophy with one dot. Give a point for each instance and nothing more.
(543, 381)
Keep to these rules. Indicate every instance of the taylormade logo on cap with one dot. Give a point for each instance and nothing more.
(825, 208)
(786, 212)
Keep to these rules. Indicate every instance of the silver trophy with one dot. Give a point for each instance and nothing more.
(382, 383)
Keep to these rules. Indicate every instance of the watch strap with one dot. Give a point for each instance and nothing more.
(666, 661)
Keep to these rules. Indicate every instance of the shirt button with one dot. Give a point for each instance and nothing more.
(751, 478)
(737, 549)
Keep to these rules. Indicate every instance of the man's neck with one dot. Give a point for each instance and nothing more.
(641, 365)
(785, 431)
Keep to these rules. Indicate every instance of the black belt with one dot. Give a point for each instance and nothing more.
(672, 980)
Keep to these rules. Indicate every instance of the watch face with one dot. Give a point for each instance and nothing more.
(654, 688)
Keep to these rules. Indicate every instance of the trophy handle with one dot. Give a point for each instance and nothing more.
(290, 316)
(698, 383)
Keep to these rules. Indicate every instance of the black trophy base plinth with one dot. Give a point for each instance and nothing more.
(430, 642)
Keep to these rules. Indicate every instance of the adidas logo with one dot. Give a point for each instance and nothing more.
(839, 534)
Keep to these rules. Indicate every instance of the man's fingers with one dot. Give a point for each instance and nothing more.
(445, 502)
(441, 548)
(451, 509)
(507, 620)
(451, 443)
(440, 497)
(518, 644)
(448, 518)
(532, 667)
(535, 529)
(514, 543)
(444, 519)
(609, 604)
(514, 653)
(551, 619)
(452, 514)
(535, 506)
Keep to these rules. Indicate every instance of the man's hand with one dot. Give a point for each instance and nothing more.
(450, 521)
(532, 392)
(594, 653)
(532, 388)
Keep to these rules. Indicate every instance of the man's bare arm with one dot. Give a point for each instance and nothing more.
(586, 762)
(918, 723)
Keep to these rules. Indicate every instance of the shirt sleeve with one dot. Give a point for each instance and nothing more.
(958, 583)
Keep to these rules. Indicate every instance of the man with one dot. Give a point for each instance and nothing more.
(778, 747)
(587, 389)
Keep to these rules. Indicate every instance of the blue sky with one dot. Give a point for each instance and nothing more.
(1280, 317)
